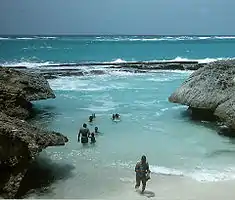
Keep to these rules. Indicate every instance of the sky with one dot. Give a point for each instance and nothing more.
(129, 17)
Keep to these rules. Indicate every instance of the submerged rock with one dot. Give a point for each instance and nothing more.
(210, 89)
(21, 142)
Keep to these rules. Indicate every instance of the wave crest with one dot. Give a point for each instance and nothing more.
(47, 64)
(201, 175)
(124, 38)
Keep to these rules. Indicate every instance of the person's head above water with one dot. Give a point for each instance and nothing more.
(96, 129)
(143, 159)
(91, 118)
(84, 125)
(92, 134)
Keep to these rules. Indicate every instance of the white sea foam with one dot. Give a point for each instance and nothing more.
(199, 174)
(202, 60)
(46, 47)
(160, 38)
(212, 175)
(204, 38)
(165, 171)
(26, 64)
(120, 73)
(130, 38)
(202, 175)
(4, 38)
(52, 65)
(178, 107)
(46, 38)
(26, 38)
(76, 84)
(159, 79)
(224, 37)
(119, 60)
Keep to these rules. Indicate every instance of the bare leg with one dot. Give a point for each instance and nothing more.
(143, 185)
(137, 185)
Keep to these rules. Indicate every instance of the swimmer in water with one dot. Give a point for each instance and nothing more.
(91, 119)
(93, 140)
(96, 130)
(115, 116)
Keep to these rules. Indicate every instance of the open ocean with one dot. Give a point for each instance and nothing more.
(150, 125)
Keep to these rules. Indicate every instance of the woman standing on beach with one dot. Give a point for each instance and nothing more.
(142, 171)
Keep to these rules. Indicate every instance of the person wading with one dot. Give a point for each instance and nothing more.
(84, 132)
(142, 173)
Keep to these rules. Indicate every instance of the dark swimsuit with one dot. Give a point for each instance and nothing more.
(93, 140)
(84, 133)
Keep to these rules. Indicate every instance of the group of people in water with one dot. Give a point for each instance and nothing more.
(141, 169)
(84, 132)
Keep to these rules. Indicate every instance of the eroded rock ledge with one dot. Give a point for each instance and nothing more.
(21, 142)
(18, 88)
(210, 89)
(83, 69)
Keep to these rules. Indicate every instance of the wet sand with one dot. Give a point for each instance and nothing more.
(179, 188)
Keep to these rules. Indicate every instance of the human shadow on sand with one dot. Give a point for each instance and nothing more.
(40, 176)
(147, 193)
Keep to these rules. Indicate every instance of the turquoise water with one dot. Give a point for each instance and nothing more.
(64, 49)
(173, 144)
(150, 125)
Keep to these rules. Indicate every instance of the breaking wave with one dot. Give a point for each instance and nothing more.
(47, 64)
(123, 38)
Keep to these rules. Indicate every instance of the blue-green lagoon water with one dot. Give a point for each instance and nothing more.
(150, 125)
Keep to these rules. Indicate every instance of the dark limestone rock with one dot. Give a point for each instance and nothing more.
(201, 114)
(194, 66)
(210, 89)
(21, 142)
(227, 132)
(176, 66)
(18, 88)
(33, 85)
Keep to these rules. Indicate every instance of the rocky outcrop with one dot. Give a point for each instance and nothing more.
(84, 69)
(21, 142)
(18, 88)
(210, 90)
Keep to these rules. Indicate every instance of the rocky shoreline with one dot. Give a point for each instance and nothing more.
(20, 142)
(209, 94)
(82, 69)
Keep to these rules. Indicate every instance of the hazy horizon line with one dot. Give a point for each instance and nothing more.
(116, 35)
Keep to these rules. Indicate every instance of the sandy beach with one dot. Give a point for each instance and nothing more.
(179, 188)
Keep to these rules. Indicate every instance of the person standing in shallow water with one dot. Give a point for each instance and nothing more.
(96, 130)
(93, 140)
(91, 119)
(142, 171)
(84, 132)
